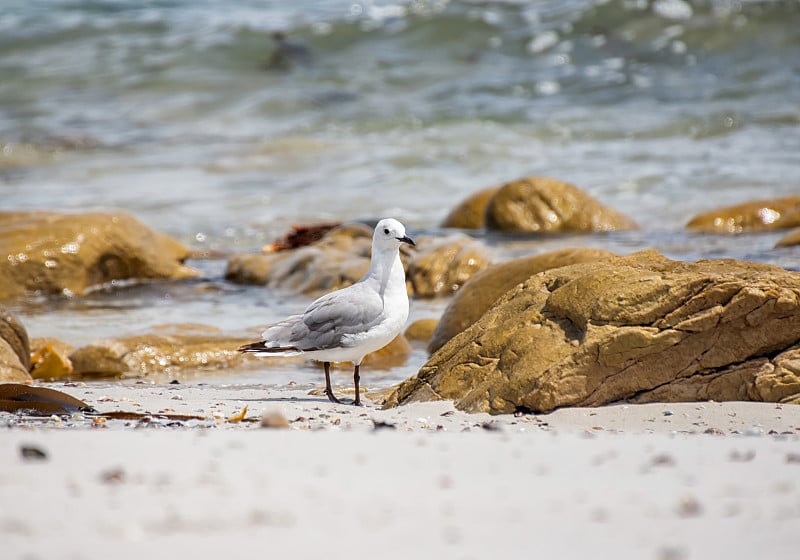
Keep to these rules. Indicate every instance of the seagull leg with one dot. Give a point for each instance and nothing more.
(328, 390)
(356, 379)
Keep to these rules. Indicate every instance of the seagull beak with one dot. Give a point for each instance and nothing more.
(407, 239)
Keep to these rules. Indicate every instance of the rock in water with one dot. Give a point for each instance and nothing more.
(342, 256)
(545, 205)
(758, 215)
(641, 328)
(471, 213)
(50, 253)
(440, 266)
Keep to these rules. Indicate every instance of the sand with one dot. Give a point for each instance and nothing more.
(666, 481)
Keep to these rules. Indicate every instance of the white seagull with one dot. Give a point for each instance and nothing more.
(348, 324)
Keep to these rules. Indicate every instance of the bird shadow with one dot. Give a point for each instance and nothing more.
(309, 399)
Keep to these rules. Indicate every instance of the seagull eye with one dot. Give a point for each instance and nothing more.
(386, 231)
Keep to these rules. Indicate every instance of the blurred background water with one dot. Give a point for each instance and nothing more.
(195, 117)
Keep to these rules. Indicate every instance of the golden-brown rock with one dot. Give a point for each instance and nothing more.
(757, 215)
(421, 329)
(48, 252)
(11, 369)
(545, 205)
(440, 266)
(14, 348)
(486, 287)
(471, 213)
(50, 359)
(15, 335)
(172, 351)
(640, 328)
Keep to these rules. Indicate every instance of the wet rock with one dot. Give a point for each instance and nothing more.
(640, 328)
(14, 348)
(542, 204)
(342, 257)
(421, 329)
(49, 253)
(470, 214)
(483, 289)
(167, 351)
(50, 359)
(758, 215)
(440, 266)
(337, 260)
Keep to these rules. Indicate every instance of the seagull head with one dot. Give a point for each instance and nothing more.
(389, 233)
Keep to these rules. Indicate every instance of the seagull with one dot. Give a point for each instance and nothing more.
(348, 324)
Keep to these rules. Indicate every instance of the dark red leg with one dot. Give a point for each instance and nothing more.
(328, 390)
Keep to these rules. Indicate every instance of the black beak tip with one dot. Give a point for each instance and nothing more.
(407, 239)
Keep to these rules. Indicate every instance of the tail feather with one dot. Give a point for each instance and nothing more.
(261, 347)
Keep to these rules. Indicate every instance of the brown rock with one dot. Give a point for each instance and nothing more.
(50, 359)
(11, 369)
(168, 351)
(790, 239)
(421, 329)
(541, 204)
(14, 348)
(47, 252)
(338, 260)
(15, 335)
(487, 286)
(440, 266)
(640, 328)
(758, 215)
(470, 214)
(341, 258)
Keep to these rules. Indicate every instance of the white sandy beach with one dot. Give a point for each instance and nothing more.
(695, 480)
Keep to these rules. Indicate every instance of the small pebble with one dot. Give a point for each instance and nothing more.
(31, 453)
(381, 425)
(113, 476)
(274, 419)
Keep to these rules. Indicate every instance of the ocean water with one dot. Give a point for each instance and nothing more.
(193, 116)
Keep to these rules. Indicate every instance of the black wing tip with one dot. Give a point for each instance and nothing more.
(261, 346)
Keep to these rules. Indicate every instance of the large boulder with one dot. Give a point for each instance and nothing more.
(15, 357)
(486, 287)
(50, 253)
(440, 266)
(640, 328)
(757, 215)
(471, 212)
(545, 205)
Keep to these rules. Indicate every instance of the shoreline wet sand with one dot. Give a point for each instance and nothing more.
(663, 481)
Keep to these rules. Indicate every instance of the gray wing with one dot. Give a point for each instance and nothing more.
(330, 318)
